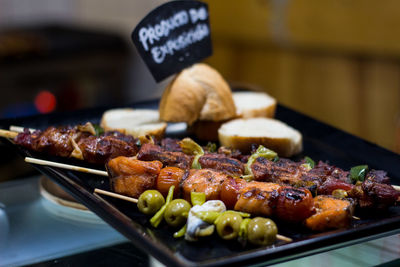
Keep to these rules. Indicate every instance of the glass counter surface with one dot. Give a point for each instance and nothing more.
(34, 230)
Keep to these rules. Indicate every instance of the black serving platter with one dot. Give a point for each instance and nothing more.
(321, 142)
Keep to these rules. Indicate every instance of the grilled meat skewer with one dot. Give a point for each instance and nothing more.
(78, 143)
(267, 199)
(374, 192)
(286, 203)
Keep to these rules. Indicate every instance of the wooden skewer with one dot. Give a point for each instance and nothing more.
(8, 134)
(111, 194)
(65, 166)
(284, 238)
(13, 132)
(19, 129)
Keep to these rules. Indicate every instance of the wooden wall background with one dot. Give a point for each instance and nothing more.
(337, 61)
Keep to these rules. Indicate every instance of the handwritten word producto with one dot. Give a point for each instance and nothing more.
(152, 34)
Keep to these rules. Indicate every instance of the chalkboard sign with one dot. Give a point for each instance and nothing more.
(173, 36)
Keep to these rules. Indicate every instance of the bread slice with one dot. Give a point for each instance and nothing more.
(197, 93)
(254, 104)
(273, 134)
(135, 122)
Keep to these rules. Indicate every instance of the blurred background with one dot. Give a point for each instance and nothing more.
(337, 61)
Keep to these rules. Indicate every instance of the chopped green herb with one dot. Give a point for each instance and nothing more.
(309, 161)
(358, 173)
(99, 130)
(211, 147)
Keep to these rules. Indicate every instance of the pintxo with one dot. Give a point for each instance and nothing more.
(173, 36)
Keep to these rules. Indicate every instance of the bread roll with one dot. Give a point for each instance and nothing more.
(273, 134)
(197, 93)
(135, 122)
(254, 104)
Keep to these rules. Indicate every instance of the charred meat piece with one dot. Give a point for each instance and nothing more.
(322, 171)
(204, 180)
(294, 204)
(378, 176)
(331, 213)
(150, 152)
(382, 195)
(258, 198)
(110, 145)
(271, 199)
(233, 153)
(222, 163)
(171, 144)
(283, 171)
(132, 177)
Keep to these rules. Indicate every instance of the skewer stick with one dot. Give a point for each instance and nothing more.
(19, 129)
(65, 166)
(111, 194)
(8, 134)
(284, 238)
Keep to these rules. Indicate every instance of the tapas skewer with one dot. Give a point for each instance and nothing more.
(104, 192)
(92, 171)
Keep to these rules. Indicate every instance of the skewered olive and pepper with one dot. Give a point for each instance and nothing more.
(176, 212)
(229, 224)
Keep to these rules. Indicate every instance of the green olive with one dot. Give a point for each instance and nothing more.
(228, 225)
(150, 201)
(176, 212)
(262, 231)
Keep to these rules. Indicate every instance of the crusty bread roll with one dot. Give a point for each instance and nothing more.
(135, 122)
(197, 93)
(273, 134)
(254, 104)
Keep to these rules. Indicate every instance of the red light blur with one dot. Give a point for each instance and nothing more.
(45, 102)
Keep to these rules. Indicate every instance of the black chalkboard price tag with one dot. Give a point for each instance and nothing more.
(173, 36)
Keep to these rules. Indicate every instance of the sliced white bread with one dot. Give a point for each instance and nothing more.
(254, 104)
(273, 134)
(135, 122)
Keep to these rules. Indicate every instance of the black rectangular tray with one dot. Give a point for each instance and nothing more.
(321, 142)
